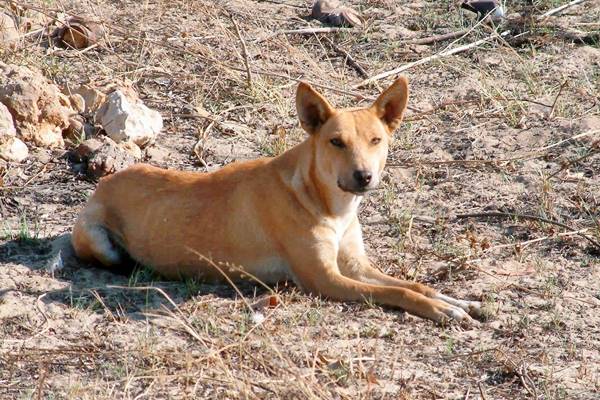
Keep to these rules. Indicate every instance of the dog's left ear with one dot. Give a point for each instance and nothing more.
(391, 104)
(313, 109)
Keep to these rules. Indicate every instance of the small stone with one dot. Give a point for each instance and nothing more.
(132, 149)
(92, 98)
(77, 102)
(107, 159)
(12, 149)
(76, 131)
(85, 150)
(332, 13)
(48, 135)
(126, 119)
(79, 33)
(7, 126)
(9, 34)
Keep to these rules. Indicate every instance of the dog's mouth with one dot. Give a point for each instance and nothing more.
(355, 191)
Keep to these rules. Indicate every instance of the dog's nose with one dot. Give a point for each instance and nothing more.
(363, 178)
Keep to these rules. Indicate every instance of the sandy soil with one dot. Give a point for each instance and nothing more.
(510, 127)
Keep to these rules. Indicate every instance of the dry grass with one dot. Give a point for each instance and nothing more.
(491, 129)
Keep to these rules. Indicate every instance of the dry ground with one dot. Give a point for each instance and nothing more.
(492, 129)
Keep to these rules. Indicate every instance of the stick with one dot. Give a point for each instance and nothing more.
(425, 60)
(527, 217)
(561, 8)
(562, 86)
(244, 52)
(303, 31)
(526, 156)
(481, 391)
(436, 38)
(578, 136)
(349, 59)
(526, 243)
(571, 162)
(456, 50)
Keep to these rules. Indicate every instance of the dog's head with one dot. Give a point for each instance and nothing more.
(351, 146)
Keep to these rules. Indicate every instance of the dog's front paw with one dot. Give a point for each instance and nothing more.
(448, 312)
(473, 308)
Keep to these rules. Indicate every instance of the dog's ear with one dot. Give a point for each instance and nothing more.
(313, 109)
(391, 104)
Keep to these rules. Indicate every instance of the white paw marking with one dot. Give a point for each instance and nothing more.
(472, 307)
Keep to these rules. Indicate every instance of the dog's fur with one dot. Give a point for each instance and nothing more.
(288, 217)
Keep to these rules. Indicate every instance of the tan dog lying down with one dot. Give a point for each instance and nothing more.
(288, 217)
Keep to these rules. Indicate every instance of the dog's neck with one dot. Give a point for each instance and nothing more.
(313, 192)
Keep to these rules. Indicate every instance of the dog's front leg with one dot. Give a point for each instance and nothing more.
(314, 264)
(354, 263)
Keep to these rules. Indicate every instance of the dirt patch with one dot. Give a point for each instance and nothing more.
(509, 127)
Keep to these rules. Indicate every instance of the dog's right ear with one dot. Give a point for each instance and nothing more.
(313, 109)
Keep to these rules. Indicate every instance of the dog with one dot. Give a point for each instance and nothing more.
(291, 217)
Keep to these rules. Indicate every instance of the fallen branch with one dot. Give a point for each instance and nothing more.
(530, 218)
(349, 59)
(561, 8)
(303, 31)
(578, 136)
(572, 162)
(456, 50)
(553, 108)
(526, 156)
(433, 57)
(436, 38)
(526, 243)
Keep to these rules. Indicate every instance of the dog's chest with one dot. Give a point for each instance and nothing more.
(342, 223)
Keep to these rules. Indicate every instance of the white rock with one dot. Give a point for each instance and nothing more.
(12, 149)
(126, 119)
(9, 34)
(7, 126)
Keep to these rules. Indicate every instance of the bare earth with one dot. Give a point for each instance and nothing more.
(492, 129)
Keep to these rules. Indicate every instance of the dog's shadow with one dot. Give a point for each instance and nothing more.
(127, 293)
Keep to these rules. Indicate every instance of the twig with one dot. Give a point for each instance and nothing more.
(46, 320)
(425, 60)
(562, 86)
(527, 217)
(481, 391)
(561, 8)
(349, 59)
(303, 31)
(526, 156)
(244, 51)
(578, 136)
(526, 243)
(572, 162)
(456, 50)
(436, 38)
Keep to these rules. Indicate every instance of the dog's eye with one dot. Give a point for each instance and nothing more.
(375, 140)
(337, 143)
